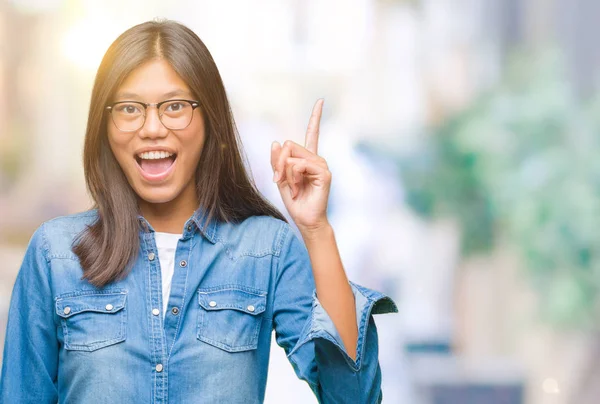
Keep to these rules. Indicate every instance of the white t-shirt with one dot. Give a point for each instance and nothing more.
(166, 244)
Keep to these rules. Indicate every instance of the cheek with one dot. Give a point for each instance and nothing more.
(114, 140)
(194, 143)
(117, 146)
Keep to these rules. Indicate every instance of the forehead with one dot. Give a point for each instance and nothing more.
(153, 81)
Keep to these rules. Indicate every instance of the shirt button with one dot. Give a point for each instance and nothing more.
(109, 307)
(250, 308)
(156, 312)
(151, 256)
(183, 263)
(189, 227)
(212, 303)
(67, 310)
(159, 367)
(175, 311)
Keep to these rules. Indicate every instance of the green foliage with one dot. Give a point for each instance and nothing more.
(12, 150)
(522, 164)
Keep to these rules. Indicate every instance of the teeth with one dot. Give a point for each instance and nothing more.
(153, 155)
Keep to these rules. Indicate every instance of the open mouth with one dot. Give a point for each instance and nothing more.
(155, 166)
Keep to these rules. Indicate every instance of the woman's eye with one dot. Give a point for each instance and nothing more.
(174, 107)
(128, 109)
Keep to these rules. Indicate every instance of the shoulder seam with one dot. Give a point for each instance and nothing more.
(73, 216)
(45, 244)
(280, 238)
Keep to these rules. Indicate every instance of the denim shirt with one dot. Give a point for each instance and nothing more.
(70, 342)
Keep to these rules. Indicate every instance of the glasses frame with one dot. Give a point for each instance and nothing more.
(195, 104)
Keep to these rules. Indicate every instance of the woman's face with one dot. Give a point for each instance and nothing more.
(159, 163)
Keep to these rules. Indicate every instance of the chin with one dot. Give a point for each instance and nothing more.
(157, 196)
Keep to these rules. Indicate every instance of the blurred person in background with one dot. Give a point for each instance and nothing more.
(170, 286)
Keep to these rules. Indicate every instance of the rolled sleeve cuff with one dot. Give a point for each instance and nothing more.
(321, 327)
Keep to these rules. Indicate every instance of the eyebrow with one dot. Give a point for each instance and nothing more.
(174, 93)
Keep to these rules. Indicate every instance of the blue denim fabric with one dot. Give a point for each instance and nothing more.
(70, 342)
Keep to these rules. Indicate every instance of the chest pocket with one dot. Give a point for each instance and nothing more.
(92, 320)
(230, 317)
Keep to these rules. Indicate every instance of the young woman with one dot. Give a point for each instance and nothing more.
(169, 288)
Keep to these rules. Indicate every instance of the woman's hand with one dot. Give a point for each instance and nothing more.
(303, 177)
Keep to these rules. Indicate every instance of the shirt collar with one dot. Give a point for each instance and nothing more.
(199, 218)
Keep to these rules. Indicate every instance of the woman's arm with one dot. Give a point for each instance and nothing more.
(30, 360)
(304, 180)
(333, 290)
(323, 322)
(312, 342)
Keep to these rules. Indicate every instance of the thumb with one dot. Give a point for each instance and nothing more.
(275, 152)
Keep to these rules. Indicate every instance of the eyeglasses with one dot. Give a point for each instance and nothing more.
(130, 116)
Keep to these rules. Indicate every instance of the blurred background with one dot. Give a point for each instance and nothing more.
(462, 136)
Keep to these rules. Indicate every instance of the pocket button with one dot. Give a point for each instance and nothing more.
(212, 303)
(109, 307)
(250, 308)
(67, 310)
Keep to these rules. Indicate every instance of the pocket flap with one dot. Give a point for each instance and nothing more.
(246, 300)
(67, 306)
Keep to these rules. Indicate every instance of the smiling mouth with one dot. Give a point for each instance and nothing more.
(156, 166)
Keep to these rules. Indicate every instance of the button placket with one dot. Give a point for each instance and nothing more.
(154, 311)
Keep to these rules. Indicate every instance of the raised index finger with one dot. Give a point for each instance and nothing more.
(312, 132)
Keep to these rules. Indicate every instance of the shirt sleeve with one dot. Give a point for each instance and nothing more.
(30, 359)
(309, 337)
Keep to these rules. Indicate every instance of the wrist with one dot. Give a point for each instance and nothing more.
(317, 232)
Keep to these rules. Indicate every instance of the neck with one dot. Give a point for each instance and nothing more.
(169, 217)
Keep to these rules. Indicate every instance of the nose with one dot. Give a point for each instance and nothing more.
(153, 127)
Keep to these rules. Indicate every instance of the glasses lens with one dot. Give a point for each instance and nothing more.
(128, 116)
(176, 114)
